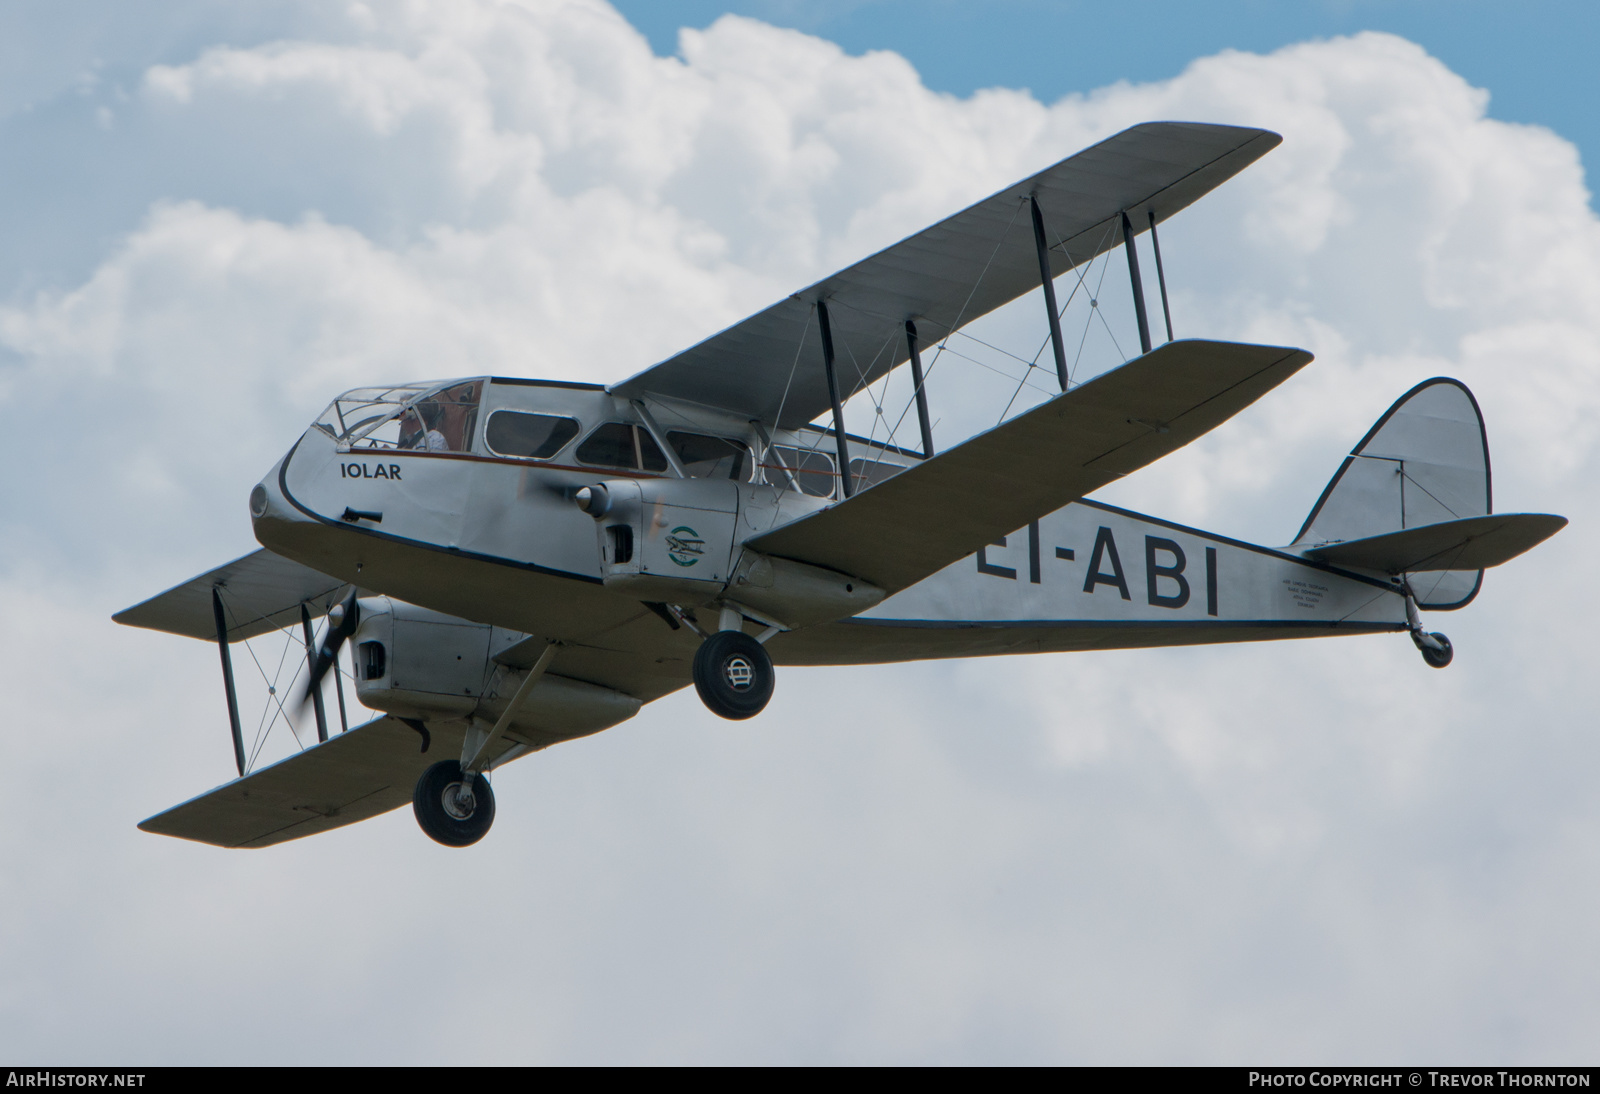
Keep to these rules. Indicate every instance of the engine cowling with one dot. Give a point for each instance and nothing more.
(417, 663)
(668, 540)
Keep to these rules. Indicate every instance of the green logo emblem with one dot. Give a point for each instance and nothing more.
(684, 545)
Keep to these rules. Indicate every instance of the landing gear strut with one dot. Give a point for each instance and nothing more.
(1435, 647)
(452, 810)
(733, 674)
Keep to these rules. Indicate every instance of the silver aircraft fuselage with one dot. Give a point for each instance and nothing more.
(496, 538)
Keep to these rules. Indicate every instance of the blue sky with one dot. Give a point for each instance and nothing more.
(1535, 57)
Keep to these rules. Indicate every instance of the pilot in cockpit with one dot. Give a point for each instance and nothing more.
(411, 433)
(422, 433)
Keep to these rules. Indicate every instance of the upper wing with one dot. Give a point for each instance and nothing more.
(947, 275)
(347, 778)
(928, 516)
(261, 592)
(1471, 543)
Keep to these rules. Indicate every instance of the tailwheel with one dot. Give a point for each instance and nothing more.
(1435, 647)
(1439, 653)
(452, 810)
(733, 675)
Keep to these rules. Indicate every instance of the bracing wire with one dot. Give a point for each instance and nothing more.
(1105, 268)
(1083, 272)
(997, 371)
(274, 706)
(275, 701)
(943, 342)
(794, 366)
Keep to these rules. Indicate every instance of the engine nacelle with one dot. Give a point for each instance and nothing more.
(796, 594)
(417, 663)
(666, 540)
(677, 541)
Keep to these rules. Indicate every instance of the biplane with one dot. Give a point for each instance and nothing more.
(512, 563)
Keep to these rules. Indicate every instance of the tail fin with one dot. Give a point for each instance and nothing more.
(1425, 461)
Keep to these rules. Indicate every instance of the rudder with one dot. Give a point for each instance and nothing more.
(1425, 461)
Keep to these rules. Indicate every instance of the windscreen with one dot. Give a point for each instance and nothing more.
(429, 417)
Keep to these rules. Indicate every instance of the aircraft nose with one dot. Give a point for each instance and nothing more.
(267, 503)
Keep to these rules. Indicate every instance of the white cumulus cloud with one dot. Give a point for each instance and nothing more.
(1312, 850)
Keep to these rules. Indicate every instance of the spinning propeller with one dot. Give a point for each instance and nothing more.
(564, 492)
(343, 618)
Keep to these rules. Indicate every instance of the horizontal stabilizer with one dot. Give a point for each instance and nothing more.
(938, 512)
(350, 777)
(1473, 543)
(261, 592)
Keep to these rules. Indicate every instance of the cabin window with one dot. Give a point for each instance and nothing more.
(706, 457)
(529, 436)
(812, 470)
(624, 446)
(865, 473)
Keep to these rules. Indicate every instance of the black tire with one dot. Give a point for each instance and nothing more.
(1441, 657)
(733, 675)
(436, 804)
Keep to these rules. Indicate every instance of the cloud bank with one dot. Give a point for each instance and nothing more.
(1306, 851)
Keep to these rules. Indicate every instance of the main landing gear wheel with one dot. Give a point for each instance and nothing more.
(733, 675)
(1438, 658)
(450, 811)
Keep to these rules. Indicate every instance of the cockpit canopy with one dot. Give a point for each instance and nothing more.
(428, 417)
